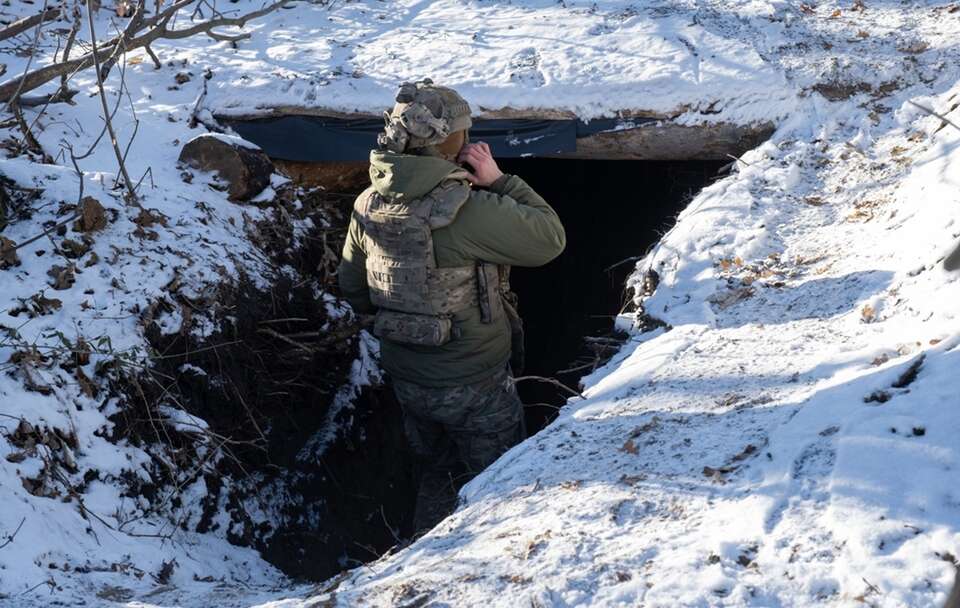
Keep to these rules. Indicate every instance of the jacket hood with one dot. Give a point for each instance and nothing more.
(405, 177)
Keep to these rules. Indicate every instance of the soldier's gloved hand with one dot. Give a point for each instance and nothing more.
(485, 169)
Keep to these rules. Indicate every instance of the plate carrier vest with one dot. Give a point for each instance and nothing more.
(416, 300)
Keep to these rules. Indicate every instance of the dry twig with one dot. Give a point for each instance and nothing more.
(938, 115)
(103, 101)
(13, 535)
(552, 381)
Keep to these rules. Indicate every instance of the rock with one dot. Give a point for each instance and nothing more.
(246, 169)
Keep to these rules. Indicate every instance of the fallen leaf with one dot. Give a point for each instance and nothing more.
(632, 480)
(63, 278)
(92, 215)
(913, 47)
(836, 13)
(74, 249)
(8, 253)
(87, 387)
(630, 448)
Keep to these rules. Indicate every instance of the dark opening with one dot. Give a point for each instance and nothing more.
(613, 212)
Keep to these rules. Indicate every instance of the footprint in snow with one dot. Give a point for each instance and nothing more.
(810, 472)
(813, 466)
(600, 29)
(525, 68)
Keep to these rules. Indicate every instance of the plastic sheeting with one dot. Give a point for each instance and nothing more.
(320, 139)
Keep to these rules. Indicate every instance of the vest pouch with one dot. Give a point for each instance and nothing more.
(408, 328)
(518, 355)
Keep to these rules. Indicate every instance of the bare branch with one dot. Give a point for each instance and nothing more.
(22, 25)
(940, 116)
(153, 29)
(153, 56)
(234, 38)
(32, 144)
(12, 536)
(552, 381)
(106, 109)
(133, 26)
(73, 217)
(26, 68)
(71, 38)
(61, 96)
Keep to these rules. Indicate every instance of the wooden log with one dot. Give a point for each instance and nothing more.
(668, 141)
(18, 27)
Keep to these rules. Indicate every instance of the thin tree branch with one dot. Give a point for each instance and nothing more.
(32, 144)
(234, 38)
(932, 113)
(552, 381)
(153, 28)
(33, 53)
(73, 217)
(106, 108)
(12, 536)
(61, 96)
(132, 28)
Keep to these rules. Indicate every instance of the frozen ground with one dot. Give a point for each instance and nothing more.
(791, 441)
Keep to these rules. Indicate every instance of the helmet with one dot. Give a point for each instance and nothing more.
(423, 116)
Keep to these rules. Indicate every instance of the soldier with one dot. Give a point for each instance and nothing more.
(427, 250)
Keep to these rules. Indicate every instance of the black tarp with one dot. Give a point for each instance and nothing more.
(319, 139)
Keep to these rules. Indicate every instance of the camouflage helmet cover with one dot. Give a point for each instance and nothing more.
(424, 115)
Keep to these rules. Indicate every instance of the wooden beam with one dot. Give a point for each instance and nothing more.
(669, 141)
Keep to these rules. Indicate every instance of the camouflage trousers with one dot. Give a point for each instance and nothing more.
(457, 432)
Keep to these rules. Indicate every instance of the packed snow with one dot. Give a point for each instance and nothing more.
(789, 439)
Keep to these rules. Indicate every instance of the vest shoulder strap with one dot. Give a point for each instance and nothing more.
(447, 199)
(361, 206)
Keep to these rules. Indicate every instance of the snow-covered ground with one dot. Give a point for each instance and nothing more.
(790, 441)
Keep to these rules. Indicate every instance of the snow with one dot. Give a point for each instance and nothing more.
(364, 371)
(758, 452)
(590, 59)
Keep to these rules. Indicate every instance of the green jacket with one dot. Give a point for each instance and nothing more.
(508, 224)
